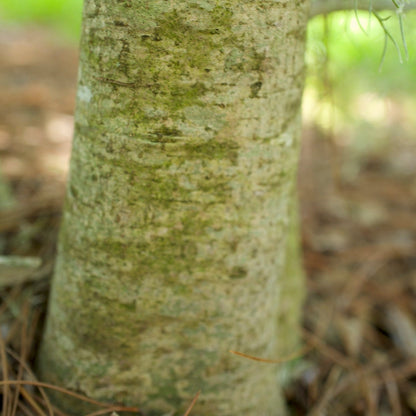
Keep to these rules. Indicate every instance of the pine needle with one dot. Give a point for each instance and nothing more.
(290, 357)
(30, 373)
(4, 365)
(188, 412)
(30, 400)
(357, 18)
(67, 392)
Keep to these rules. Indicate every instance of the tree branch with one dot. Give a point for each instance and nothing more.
(327, 6)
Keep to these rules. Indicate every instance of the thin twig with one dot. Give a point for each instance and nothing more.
(290, 357)
(188, 412)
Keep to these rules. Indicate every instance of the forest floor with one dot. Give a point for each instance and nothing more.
(358, 238)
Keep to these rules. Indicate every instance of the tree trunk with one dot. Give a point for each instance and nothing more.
(179, 210)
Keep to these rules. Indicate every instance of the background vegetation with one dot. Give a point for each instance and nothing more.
(64, 16)
(351, 89)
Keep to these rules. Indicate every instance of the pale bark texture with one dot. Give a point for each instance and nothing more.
(180, 207)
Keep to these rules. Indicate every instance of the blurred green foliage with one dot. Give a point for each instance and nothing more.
(338, 47)
(348, 81)
(64, 16)
(359, 99)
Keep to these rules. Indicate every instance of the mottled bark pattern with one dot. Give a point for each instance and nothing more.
(173, 243)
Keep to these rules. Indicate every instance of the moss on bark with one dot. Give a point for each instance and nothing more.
(178, 211)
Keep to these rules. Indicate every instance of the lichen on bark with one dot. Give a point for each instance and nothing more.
(177, 218)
